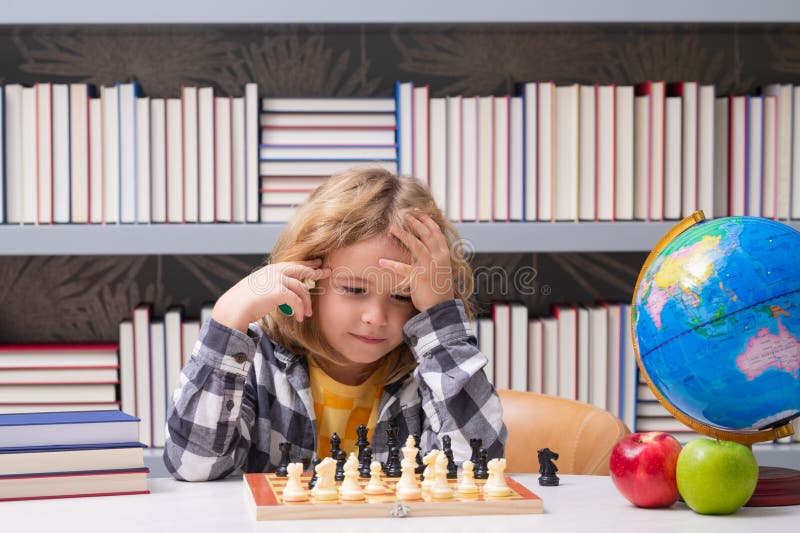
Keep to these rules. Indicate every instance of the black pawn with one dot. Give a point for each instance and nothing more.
(452, 469)
(341, 457)
(481, 470)
(393, 466)
(313, 480)
(475, 444)
(366, 461)
(286, 448)
(420, 465)
(336, 445)
(361, 441)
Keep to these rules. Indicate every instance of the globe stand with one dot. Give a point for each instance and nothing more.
(776, 487)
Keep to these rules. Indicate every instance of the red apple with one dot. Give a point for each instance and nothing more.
(642, 467)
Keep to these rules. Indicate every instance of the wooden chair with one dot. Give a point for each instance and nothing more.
(581, 434)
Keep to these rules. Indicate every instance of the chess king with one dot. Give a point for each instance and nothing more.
(387, 316)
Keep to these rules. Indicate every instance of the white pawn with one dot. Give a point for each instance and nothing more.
(325, 488)
(496, 485)
(441, 488)
(430, 466)
(407, 486)
(351, 489)
(294, 491)
(467, 485)
(375, 486)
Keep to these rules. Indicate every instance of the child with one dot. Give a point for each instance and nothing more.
(381, 340)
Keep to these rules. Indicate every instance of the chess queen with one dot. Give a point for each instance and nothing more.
(361, 309)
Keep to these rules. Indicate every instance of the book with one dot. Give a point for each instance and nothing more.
(605, 140)
(58, 393)
(61, 153)
(61, 485)
(329, 105)
(327, 137)
(52, 459)
(58, 356)
(67, 428)
(332, 120)
(623, 153)
(58, 375)
(268, 152)
(8, 408)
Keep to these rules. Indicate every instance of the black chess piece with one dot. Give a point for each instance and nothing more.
(285, 448)
(336, 445)
(391, 435)
(341, 457)
(475, 444)
(393, 466)
(364, 464)
(481, 469)
(452, 469)
(313, 480)
(361, 441)
(547, 468)
(420, 465)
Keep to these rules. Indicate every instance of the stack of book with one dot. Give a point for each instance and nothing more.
(305, 140)
(58, 377)
(70, 454)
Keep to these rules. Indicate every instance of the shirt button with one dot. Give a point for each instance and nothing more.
(230, 404)
(240, 358)
(413, 340)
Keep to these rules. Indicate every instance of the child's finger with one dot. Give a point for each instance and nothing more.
(293, 300)
(414, 220)
(300, 289)
(403, 269)
(436, 232)
(411, 242)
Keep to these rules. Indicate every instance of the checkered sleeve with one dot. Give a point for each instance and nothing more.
(212, 414)
(457, 398)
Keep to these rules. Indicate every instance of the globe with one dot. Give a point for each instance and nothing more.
(716, 326)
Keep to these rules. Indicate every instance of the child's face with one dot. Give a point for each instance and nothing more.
(362, 307)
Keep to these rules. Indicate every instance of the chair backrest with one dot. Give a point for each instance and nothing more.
(581, 434)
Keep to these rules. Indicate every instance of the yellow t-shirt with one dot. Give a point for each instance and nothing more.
(341, 408)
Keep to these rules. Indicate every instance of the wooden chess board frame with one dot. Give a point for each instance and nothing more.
(264, 493)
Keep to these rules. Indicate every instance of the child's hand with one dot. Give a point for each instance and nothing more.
(264, 290)
(430, 277)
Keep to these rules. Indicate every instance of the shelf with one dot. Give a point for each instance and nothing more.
(167, 239)
(410, 11)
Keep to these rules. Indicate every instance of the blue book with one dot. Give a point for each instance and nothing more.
(67, 428)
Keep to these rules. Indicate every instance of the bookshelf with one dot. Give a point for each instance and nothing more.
(512, 237)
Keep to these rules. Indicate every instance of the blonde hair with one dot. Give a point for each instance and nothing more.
(355, 205)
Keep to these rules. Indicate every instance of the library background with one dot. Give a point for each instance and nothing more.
(570, 253)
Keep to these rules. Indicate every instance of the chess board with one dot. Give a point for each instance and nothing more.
(264, 493)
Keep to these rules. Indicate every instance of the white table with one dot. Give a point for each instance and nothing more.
(580, 503)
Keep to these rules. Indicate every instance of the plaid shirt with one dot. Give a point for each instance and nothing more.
(242, 395)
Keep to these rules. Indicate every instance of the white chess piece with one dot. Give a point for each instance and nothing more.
(375, 486)
(351, 489)
(496, 485)
(467, 485)
(294, 491)
(408, 487)
(325, 488)
(429, 461)
(441, 488)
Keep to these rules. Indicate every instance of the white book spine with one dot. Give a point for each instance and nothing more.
(624, 148)
(500, 157)
(141, 357)
(469, 154)
(79, 156)
(673, 160)
(516, 160)
(606, 137)
(158, 160)
(546, 155)
(158, 380)
(190, 158)
(30, 185)
(206, 127)
(251, 151)
(531, 151)
(96, 178)
(689, 149)
(486, 346)
(755, 130)
(567, 353)
(61, 165)
(598, 357)
(421, 131)
(657, 151)
(485, 157)
(405, 108)
(565, 185)
(641, 157)
(438, 151)
(769, 184)
(454, 162)
(127, 153)
(519, 347)
(143, 195)
(783, 94)
(44, 152)
(127, 369)
(550, 356)
(720, 158)
(501, 313)
(111, 187)
(705, 150)
(13, 153)
(174, 143)
(583, 339)
(587, 179)
(238, 158)
(535, 356)
(222, 157)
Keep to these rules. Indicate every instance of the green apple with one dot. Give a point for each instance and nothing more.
(716, 476)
